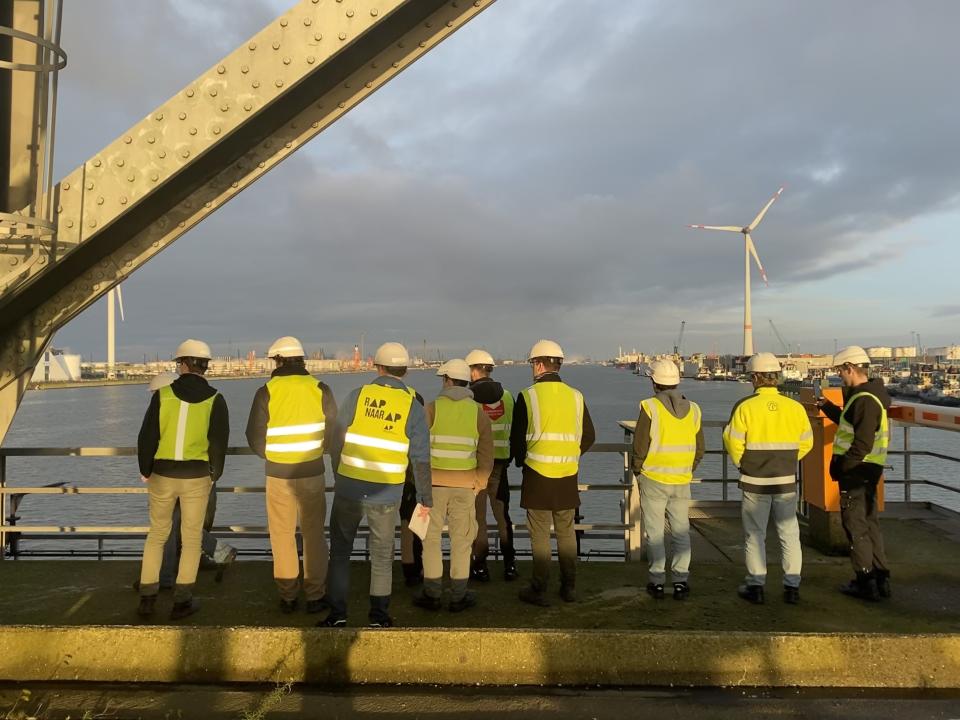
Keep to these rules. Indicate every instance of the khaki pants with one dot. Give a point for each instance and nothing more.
(164, 492)
(457, 507)
(290, 500)
(481, 546)
(538, 523)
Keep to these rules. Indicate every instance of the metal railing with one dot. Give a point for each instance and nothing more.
(628, 529)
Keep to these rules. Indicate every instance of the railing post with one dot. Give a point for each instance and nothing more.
(724, 473)
(907, 477)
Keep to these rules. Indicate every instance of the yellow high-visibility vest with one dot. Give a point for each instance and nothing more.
(296, 426)
(183, 427)
(845, 433)
(376, 445)
(673, 443)
(554, 428)
(454, 435)
(500, 414)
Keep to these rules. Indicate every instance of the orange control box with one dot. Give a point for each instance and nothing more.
(819, 489)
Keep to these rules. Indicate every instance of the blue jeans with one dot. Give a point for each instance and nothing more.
(755, 511)
(657, 501)
(345, 517)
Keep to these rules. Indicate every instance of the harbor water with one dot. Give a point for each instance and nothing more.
(111, 416)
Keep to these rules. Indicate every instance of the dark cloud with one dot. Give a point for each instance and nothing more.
(534, 175)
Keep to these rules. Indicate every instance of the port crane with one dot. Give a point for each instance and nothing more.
(679, 342)
(783, 343)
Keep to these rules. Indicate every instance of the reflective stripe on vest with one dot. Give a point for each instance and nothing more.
(454, 435)
(501, 420)
(296, 425)
(554, 428)
(376, 445)
(845, 433)
(673, 443)
(183, 427)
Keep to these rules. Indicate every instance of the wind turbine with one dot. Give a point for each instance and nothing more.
(112, 330)
(748, 250)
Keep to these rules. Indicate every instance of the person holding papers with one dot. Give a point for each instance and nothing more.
(461, 459)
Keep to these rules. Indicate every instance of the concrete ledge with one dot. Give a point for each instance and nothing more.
(490, 657)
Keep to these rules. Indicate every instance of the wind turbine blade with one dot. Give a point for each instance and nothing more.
(756, 221)
(728, 228)
(753, 251)
(120, 302)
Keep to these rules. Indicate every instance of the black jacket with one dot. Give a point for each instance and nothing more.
(260, 416)
(190, 388)
(488, 391)
(849, 469)
(538, 492)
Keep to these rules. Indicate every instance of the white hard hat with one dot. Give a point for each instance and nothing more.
(392, 354)
(855, 355)
(664, 372)
(455, 369)
(546, 348)
(287, 346)
(479, 357)
(161, 380)
(764, 362)
(194, 349)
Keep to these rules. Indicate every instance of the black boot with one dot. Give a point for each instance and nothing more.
(863, 587)
(751, 593)
(882, 578)
(509, 565)
(412, 575)
(479, 571)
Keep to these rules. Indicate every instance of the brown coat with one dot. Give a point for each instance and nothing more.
(477, 478)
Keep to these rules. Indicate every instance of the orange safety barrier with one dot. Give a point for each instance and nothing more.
(819, 489)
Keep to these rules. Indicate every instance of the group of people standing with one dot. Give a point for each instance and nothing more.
(439, 464)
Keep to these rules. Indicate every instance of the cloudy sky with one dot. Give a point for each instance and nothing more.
(533, 176)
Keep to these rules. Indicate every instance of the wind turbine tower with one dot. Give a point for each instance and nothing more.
(748, 250)
(112, 296)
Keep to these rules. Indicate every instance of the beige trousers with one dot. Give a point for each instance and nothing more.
(164, 492)
(456, 507)
(290, 501)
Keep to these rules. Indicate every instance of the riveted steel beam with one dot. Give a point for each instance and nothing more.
(206, 144)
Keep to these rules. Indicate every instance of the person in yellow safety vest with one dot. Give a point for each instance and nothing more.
(768, 434)
(551, 428)
(286, 427)
(497, 403)
(859, 455)
(461, 458)
(380, 430)
(181, 450)
(667, 448)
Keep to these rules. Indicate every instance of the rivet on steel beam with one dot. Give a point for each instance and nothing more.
(449, 23)
(255, 84)
(224, 107)
(97, 163)
(293, 126)
(276, 46)
(128, 139)
(318, 36)
(221, 69)
(248, 106)
(120, 162)
(315, 125)
(182, 116)
(349, 13)
(307, 22)
(422, 44)
(261, 165)
(69, 223)
(216, 130)
(341, 105)
(155, 243)
(374, 12)
(92, 223)
(151, 140)
(100, 200)
(279, 83)
(65, 186)
(123, 199)
(234, 185)
(162, 154)
(184, 153)
(59, 210)
(208, 204)
(368, 85)
(428, 24)
(288, 145)
(244, 69)
(342, 36)
(311, 59)
(181, 224)
(213, 92)
(395, 64)
(89, 185)
(193, 131)
(315, 1)
(131, 177)
(286, 60)
(252, 46)
(401, 45)
(154, 177)
(158, 116)
(283, 22)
